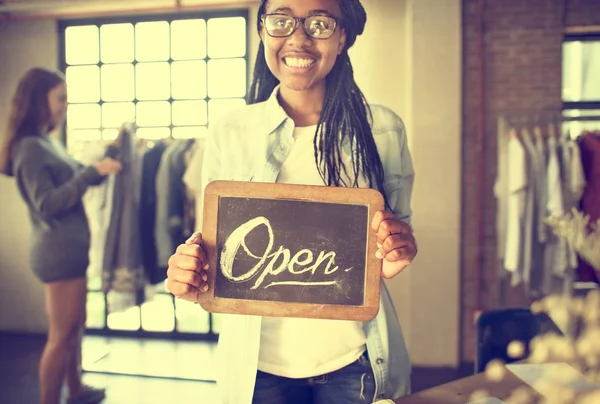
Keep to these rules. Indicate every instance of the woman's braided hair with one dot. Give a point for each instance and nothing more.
(345, 115)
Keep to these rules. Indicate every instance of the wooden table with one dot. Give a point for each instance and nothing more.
(548, 379)
(459, 391)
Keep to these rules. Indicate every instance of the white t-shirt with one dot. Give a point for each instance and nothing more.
(300, 347)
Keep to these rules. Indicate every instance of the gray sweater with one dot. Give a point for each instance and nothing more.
(52, 185)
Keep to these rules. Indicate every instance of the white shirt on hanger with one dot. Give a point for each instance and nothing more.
(555, 252)
(517, 192)
(573, 186)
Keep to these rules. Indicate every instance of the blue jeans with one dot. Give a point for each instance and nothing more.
(353, 384)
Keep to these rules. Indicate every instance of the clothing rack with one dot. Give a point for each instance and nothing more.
(511, 122)
(518, 120)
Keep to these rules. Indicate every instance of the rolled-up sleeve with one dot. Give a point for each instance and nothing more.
(392, 144)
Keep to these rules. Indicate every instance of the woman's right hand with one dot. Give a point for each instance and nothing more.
(108, 166)
(186, 275)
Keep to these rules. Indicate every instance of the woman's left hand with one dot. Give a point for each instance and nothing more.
(397, 245)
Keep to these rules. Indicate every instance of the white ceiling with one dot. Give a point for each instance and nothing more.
(25, 9)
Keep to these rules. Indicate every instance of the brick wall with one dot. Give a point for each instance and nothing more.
(522, 73)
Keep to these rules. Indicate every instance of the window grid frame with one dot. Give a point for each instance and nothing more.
(62, 26)
(587, 104)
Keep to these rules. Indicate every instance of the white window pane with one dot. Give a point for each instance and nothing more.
(124, 320)
(83, 83)
(116, 43)
(191, 317)
(227, 37)
(217, 108)
(189, 113)
(110, 134)
(153, 133)
(81, 116)
(188, 39)
(95, 310)
(153, 113)
(152, 81)
(114, 114)
(188, 79)
(226, 78)
(117, 82)
(152, 41)
(190, 132)
(575, 128)
(82, 45)
(158, 314)
(83, 135)
(217, 321)
(581, 64)
(94, 279)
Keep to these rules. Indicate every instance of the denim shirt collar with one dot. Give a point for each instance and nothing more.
(274, 112)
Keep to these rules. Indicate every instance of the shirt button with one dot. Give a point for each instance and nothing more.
(282, 147)
(379, 361)
(382, 395)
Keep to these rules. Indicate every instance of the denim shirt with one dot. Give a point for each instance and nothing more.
(251, 144)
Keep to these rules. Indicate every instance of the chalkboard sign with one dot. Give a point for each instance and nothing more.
(291, 250)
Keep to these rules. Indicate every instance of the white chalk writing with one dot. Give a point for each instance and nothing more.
(274, 263)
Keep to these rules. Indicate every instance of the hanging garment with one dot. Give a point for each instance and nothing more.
(189, 203)
(590, 202)
(150, 164)
(530, 239)
(164, 246)
(97, 211)
(501, 190)
(573, 184)
(542, 192)
(170, 201)
(122, 264)
(555, 258)
(193, 179)
(516, 204)
(177, 192)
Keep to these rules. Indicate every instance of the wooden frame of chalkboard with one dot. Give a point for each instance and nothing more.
(287, 250)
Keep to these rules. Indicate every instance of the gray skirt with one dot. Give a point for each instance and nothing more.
(62, 252)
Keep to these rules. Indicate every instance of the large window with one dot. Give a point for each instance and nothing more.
(172, 75)
(581, 82)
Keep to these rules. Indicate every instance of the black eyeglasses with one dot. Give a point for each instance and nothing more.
(316, 26)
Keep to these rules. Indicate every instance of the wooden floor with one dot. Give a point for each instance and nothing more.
(143, 371)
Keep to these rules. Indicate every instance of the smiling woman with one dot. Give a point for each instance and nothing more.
(309, 117)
